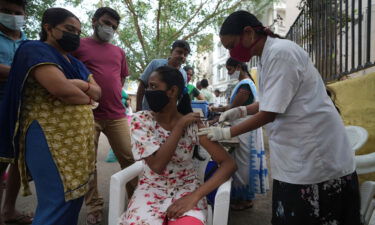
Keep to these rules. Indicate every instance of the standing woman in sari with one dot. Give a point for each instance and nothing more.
(252, 175)
(46, 119)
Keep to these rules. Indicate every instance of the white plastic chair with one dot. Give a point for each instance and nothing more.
(357, 136)
(118, 199)
(364, 164)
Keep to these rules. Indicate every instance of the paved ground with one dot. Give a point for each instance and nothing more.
(258, 215)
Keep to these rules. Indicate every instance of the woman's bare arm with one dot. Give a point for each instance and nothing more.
(91, 88)
(53, 79)
(159, 160)
(227, 167)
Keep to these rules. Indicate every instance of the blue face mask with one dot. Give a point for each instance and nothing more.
(12, 22)
(157, 99)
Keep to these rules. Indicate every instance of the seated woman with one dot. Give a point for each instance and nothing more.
(252, 176)
(169, 191)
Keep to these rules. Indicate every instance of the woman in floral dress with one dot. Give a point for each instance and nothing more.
(169, 191)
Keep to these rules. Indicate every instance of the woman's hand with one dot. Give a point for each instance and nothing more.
(90, 87)
(182, 205)
(78, 83)
(233, 114)
(188, 119)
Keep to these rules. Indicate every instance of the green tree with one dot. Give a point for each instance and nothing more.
(149, 27)
(35, 9)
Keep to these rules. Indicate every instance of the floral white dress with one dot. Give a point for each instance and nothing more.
(155, 193)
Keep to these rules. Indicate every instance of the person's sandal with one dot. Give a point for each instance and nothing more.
(96, 218)
(20, 219)
(241, 206)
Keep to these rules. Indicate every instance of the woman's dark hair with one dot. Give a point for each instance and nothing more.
(234, 63)
(106, 10)
(332, 96)
(54, 17)
(173, 77)
(204, 83)
(237, 21)
(21, 3)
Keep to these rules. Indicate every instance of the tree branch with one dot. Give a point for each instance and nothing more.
(178, 33)
(130, 6)
(133, 51)
(158, 27)
(206, 21)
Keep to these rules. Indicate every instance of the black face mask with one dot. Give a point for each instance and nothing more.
(69, 41)
(157, 100)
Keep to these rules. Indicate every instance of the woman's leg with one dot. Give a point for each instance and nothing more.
(186, 220)
(52, 208)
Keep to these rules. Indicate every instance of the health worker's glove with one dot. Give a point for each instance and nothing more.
(216, 133)
(233, 114)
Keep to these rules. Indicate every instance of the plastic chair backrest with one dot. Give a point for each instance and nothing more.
(357, 136)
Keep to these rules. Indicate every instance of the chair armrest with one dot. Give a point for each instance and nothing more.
(118, 197)
(222, 200)
(367, 192)
(365, 163)
(372, 219)
(369, 212)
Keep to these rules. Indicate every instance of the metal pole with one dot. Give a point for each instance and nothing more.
(360, 16)
(368, 55)
(340, 30)
(353, 36)
(346, 37)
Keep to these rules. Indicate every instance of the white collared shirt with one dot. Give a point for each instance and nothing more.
(308, 142)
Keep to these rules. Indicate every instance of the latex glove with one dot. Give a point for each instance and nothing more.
(216, 133)
(233, 114)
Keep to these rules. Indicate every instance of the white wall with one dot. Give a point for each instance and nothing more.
(291, 13)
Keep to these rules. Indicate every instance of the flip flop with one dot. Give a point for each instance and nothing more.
(20, 219)
(241, 207)
(98, 218)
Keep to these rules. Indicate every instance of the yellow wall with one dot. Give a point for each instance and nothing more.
(253, 73)
(356, 100)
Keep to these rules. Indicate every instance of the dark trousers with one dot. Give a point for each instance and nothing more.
(334, 201)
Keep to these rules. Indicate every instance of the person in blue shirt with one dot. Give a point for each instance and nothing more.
(12, 19)
(179, 52)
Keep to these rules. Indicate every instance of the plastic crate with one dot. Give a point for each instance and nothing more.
(201, 104)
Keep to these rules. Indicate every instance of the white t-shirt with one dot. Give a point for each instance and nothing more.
(308, 142)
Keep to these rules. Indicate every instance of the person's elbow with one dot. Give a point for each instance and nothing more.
(229, 164)
(232, 165)
(268, 117)
(158, 169)
(155, 166)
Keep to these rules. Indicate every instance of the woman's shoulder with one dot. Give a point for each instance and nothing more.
(144, 116)
(33, 45)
